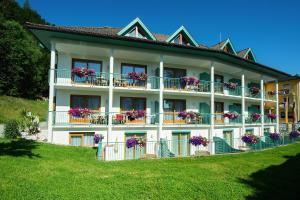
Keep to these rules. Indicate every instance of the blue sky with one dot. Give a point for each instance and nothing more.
(270, 28)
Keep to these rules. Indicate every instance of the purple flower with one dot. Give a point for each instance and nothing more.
(138, 76)
(133, 141)
(98, 138)
(189, 115)
(275, 136)
(254, 90)
(82, 72)
(182, 114)
(79, 112)
(231, 85)
(190, 80)
(199, 140)
(135, 114)
(294, 134)
(271, 116)
(250, 139)
(256, 116)
(231, 115)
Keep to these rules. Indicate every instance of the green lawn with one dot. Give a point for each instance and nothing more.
(11, 107)
(30, 170)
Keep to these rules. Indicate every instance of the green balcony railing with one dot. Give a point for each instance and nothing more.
(124, 80)
(180, 84)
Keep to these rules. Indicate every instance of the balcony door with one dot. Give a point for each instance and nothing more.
(172, 78)
(136, 151)
(133, 104)
(180, 144)
(129, 68)
(219, 80)
(92, 103)
(94, 65)
(171, 109)
(219, 111)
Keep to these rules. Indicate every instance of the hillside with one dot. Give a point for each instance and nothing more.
(11, 107)
(32, 170)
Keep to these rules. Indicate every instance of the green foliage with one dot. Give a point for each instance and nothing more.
(30, 122)
(11, 129)
(11, 108)
(31, 170)
(24, 64)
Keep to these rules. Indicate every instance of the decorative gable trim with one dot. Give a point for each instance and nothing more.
(228, 42)
(187, 34)
(249, 51)
(133, 23)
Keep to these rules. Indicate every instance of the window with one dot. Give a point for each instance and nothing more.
(180, 39)
(177, 105)
(228, 137)
(250, 131)
(81, 139)
(132, 103)
(180, 144)
(89, 64)
(174, 73)
(136, 151)
(127, 68)
(137, 32)
(81, 101)
(219, 107)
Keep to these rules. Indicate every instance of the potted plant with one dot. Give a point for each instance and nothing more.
(82, 72)
(190, 82)
(274, 137)
(255, 117)
(294, 134)
(134, 141)
(231, 115)
(254, 91)
(250, 139)
(135, 114)
(197, 141)
(138, 78)
(231, 85)
(189, 116)
(79, 114)
(271, 116)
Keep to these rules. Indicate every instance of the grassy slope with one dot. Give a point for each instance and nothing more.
(44, 171)
(11, 107)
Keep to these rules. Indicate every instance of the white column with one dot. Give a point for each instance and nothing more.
(212, 108)
(110, 94)
(262, 106)
(243, 106)
(161, 98)
(51, 92)
(277, 107)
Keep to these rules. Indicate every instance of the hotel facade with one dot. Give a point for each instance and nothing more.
(163, 89)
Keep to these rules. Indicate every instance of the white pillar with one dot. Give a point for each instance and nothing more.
(277, 107)
(262, 107)
(51, 92)
(161, 98)
(212, 108)
(110, 94)
(243, 106)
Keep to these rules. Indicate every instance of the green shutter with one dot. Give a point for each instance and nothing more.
(157, 72)
(232, 108)
(204, 108)
(204, 76)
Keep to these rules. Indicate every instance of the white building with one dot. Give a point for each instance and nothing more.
(181, 76)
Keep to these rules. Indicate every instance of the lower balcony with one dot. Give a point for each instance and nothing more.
(221, 119)
(101, 118)
(138, 81)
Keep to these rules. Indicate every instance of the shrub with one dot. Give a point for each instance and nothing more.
(11, 129)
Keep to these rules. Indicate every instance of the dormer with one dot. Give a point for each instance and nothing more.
(182, 36)
(136, 29)
(226, 46)
(247, 54)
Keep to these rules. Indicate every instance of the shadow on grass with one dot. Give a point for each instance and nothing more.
(277, 182)
(18, 148)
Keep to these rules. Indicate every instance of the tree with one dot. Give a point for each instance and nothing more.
(19, 60)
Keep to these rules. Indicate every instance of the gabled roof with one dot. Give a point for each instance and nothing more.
(186, 34)
(222, 44)
(245, 52)
(134, 23)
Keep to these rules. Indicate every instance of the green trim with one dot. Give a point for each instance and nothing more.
(135, 132)
(228, 42)
(250, 51)
(183, 29)
(134, 22)
(229, 129)
(177, 132)
(45, 35)
(249, 129)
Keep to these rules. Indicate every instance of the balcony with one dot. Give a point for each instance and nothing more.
(182, 84)
(101, 118)
(186, 118)
(251, 119)
(228, 89)
(253, 92)
(269, 119)
(220, 119)
(270, 95)
(127, 81)
(67, 76)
